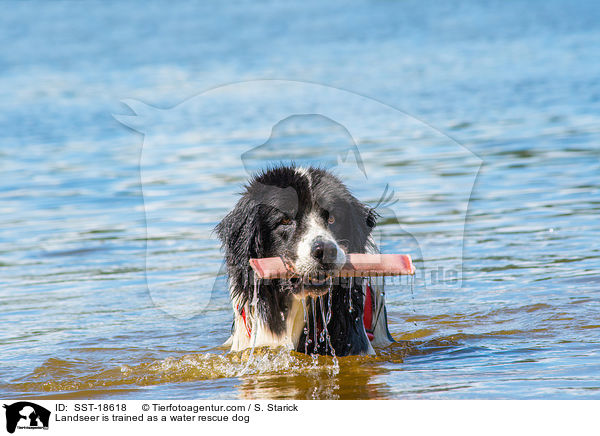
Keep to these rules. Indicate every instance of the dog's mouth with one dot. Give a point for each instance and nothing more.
(312, 285)
(313, 282)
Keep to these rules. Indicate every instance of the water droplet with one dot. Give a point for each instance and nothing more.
(314, 324)
(351, 284)
(306, 340)
(411, 281)
(253, 315)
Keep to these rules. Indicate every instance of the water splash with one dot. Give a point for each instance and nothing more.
(314, 324)
(322, 308)
(351, 284)
(326, 319)
(411, 284)
(306, 339)
(329, 305)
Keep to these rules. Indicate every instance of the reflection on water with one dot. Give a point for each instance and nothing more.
(268, 373)
(413, 367)
(516, 85)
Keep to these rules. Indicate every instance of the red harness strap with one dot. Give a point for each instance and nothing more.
(368, 313)
(243, 315)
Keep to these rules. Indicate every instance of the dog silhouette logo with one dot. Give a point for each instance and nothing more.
(26, 415)
(188, 164)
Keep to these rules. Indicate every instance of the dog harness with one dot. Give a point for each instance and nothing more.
(243, 315)
(368, 313)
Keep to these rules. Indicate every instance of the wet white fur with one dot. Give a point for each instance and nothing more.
(294, 324)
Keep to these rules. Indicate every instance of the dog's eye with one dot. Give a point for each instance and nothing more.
(331, 219)
(285, 221)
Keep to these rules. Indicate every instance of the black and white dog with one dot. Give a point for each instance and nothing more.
(309, 218)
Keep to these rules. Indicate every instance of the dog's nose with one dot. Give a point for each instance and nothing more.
(324, 251)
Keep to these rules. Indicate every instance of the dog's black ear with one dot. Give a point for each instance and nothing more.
(239, 231)
(372, 217)
(241, 237)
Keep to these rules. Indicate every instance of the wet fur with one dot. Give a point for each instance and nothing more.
(251, 230)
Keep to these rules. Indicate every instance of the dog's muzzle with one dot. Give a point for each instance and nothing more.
(324, 262)
(325, 252)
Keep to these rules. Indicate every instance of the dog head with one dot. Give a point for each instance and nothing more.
(304, 215)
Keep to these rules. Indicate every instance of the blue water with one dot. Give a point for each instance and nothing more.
(482, 117)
